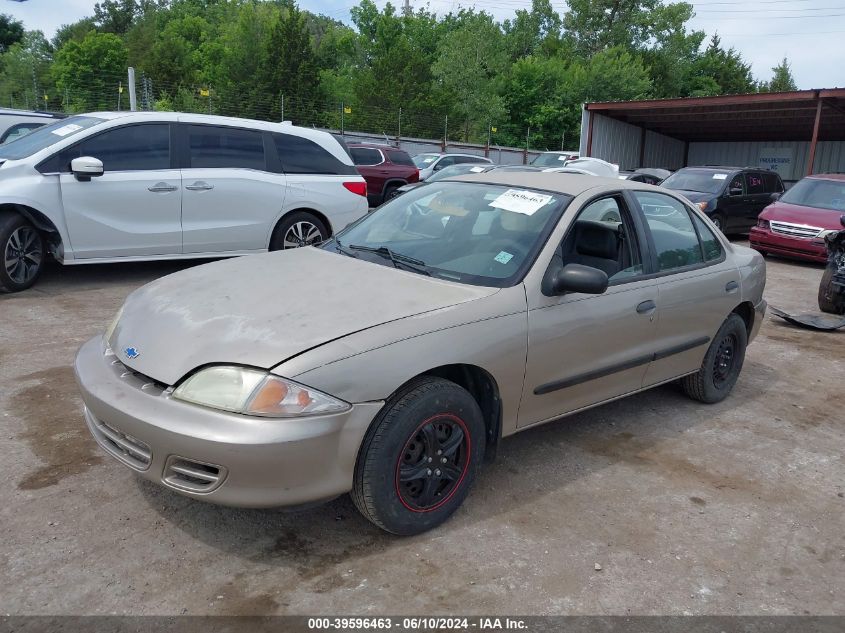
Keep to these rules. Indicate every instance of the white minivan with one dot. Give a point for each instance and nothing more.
(134, 186)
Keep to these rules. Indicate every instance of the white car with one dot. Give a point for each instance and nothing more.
(430, 163)
(135, 186)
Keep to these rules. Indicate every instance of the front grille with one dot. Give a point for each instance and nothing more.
(194, 476)
(795, 230)
(130, 450)
(135, 378)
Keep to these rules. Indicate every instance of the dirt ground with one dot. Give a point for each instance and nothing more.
(734, 508)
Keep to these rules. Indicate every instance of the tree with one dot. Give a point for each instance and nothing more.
(90, 71)
(115, 16)
(75, 31)
(469, 61)
(11, 31)
(782, 81)
(533, 32)
(26, 72)
(720, 71)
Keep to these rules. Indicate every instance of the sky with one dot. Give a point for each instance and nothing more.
(808, 32)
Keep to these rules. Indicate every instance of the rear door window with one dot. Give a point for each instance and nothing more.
(772, 183)
(754, 183)
(710, 244)
(299, 155)
(399, 157)
(675, 239)
(365, 156)
(225, 147)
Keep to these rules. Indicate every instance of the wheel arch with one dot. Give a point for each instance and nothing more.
(746, 312)
(317, 214)
(40, 221)
(482, 386)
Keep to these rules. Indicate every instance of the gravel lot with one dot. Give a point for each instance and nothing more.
(735, 508)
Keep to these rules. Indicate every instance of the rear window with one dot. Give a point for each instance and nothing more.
(754, 184)
(772, 183)
(398, 157)
(365, 156)
(299, 155)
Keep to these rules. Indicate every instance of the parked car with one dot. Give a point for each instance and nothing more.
(430, 163)
(136, 186)
(459, 313)
(796, 223)
(17, 123)
(385, 168)
(460, 169)
(648, 175)
(732, 197)
(554, 159)
(588, 166)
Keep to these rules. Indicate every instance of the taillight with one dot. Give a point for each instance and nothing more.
(762, 224)
(357, 187)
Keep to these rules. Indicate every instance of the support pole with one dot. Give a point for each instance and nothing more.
(133, 99)
(812, 158)
(589, 133)
(399, 130)
(642, 147)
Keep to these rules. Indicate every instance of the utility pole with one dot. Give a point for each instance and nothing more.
(446, 133)
(133, 98)
(562, 139)
(527, 142)
(407, 10)
(399, 130)
(341, 118)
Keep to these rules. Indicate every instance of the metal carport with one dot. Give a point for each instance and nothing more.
(806, 128)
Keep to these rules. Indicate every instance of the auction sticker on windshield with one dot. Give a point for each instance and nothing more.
(70, 128)
(719, 176)
(521, 201)
(477, 170)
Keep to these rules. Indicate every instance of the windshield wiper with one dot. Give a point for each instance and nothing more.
(340, 248)
(417, 265)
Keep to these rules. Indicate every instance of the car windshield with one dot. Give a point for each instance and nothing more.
(474, 233)
(703, 181)
(424, 160)
(457, 170)
(818, 193)
(46, 136)
(550, 160)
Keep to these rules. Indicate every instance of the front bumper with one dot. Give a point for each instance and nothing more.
(212, 455)
(813, 250)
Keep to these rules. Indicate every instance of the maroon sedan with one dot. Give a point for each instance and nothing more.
(796, 223)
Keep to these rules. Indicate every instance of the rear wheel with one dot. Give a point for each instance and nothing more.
(23, 253)
(420, 457)
(829, 299)
(297, 230)
(389, 192)
(721, 365)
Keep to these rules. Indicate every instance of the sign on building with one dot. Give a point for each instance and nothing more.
(779, 159)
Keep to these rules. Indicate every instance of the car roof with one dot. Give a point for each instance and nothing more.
(835, 176)
(570, 184)
(374, 146)
(35, 114)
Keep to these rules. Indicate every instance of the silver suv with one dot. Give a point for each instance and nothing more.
(136, 186)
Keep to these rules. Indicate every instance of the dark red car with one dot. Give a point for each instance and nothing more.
(385, 168)
(796, 223)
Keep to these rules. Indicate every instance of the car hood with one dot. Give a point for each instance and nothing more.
(695, 196)
(261, 310)
(799, 214)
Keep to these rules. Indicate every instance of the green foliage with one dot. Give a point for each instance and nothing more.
(11, 31)
(87, 71)
(387, 71)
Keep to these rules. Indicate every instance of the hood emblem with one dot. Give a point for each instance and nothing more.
(131, 353)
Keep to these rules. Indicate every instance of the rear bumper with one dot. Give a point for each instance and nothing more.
(812, 250)
(212, 455)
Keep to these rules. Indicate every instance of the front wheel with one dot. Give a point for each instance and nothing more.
(420, 457)
(297, 230)
(23, 253)
(719, 220)
(829, 299)
(721, 365)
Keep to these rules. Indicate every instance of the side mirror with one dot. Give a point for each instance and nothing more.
(775, 196)
(86, 167)
(735, 191)
(578, 278)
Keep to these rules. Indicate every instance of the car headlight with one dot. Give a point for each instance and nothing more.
(255, 392)
(702, 205)
(110, 329)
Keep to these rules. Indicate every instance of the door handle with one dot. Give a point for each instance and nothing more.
(646, 306)
(731, 286)
(162, 187)
(200, 186)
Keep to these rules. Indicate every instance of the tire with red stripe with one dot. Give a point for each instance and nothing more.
(420, 457)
